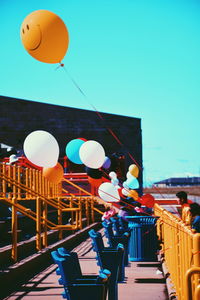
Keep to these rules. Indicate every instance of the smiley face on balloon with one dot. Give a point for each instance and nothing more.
(45, 36)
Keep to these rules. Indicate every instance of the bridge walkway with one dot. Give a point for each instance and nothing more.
(143, 280)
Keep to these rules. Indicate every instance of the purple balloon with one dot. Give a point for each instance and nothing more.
(107, 163)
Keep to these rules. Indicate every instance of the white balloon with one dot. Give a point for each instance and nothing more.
(128, 175)
(112, 175)
(125, 192)
(108, 192)
(125, 185)
(41, 148)
(114, 181)
(92, 154)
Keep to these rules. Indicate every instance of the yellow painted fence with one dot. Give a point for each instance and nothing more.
(181, 253)
(29, 193)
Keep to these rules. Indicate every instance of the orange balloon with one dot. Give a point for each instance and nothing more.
(45, 36)
(133, 170)
(54, 174)
(133, 194)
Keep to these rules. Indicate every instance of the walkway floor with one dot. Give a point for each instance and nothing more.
(142, 281)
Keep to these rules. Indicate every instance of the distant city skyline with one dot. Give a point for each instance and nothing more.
(132, 58)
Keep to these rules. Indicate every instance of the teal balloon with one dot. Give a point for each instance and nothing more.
(72, 150)
(132, 183)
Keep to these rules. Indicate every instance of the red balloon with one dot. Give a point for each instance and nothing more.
(148, 200)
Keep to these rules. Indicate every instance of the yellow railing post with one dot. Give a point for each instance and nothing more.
(44, 222)
(92, 210)
(196, 256)
(87, 211)
(188, 282)
(38, 223)
(197, 293)
(10, 175)
(72, 214)
(60, 234)
(27, 183)
(77, 219)
(196, 249)
(14, 176)
(3, 169)
(18, 175)
(14, 230)
(80, 206)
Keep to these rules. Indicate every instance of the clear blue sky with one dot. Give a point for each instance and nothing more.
(135, 58)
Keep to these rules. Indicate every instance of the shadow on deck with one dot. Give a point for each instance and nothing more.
(143, 280)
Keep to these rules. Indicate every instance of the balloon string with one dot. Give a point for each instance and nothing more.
(99, 114)
(74, 82)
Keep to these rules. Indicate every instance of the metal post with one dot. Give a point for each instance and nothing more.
(60, 234)
(92, 210)
(87, 211)
(188, 276)
(38, 224)
(80, 214)
(44, 222)
(14, 230)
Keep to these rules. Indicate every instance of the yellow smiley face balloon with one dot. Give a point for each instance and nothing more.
(45, 36)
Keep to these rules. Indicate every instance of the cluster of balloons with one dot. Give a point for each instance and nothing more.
(90, 153)
(41, 148)
(45, 37)
(131, 183)
(112, 192)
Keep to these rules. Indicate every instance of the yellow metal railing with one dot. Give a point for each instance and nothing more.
(192, 292)
(19, 187)
(181, 252)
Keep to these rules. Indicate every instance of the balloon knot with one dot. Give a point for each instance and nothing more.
(60, 65)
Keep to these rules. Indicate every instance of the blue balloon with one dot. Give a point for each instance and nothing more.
(132, 182)
(72, 150)
(107, 163)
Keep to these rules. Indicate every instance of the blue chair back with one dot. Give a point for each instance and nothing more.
(75, 261)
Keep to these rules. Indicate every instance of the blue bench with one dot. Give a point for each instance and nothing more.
(77, 272)
(78, 286)
(111, 259)
(114, 240)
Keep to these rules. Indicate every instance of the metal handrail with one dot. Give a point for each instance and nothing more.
(29, 184)
(180, 251)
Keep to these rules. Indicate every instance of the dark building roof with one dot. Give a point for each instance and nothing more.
(180, 181)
